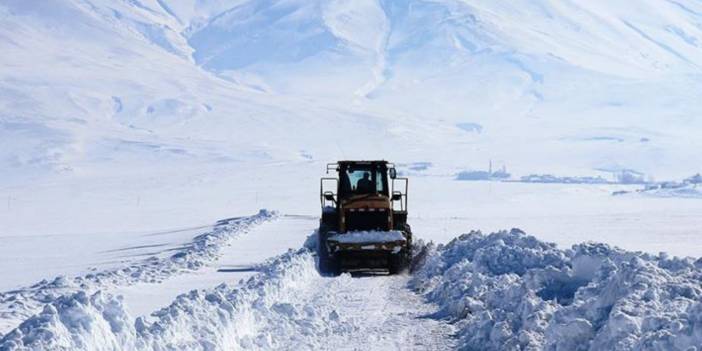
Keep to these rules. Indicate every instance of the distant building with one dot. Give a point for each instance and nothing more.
(484, 175)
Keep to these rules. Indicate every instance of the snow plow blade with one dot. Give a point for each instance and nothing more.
(368, 250)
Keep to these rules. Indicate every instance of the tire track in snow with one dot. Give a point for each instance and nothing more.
(386, 315)
(373, 312)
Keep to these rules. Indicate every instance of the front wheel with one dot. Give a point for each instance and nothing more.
(399, 262)
(328, 265)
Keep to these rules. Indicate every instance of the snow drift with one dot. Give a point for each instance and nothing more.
(20, 304)
(510, 291)
(221, 318)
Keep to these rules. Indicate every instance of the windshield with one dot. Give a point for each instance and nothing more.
(362, 180)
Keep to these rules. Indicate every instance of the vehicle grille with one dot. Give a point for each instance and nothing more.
(366, 220)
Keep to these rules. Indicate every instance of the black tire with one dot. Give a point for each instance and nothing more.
(407, 230)
(398, 263)
(327, 265)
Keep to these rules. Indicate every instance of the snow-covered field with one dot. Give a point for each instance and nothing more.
(140, 139)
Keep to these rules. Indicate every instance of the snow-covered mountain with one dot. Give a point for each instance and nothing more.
(116, 96)
(110, 102)
(89, 81)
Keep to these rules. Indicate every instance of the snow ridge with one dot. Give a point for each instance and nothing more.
(221, 318)
(20, 304)
(508, 290)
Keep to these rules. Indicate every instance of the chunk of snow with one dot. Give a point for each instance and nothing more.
(363, 237)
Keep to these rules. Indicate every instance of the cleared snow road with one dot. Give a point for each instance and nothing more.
(370, 312)
(384, 315)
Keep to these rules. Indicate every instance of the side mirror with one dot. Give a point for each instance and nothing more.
(396, 196)
(393, 173)
(329, 196)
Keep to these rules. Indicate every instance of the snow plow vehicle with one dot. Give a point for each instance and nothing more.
(364, 219)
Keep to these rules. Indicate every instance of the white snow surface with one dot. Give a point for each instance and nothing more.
(124, 117)
(287, 306)
(510, 291)
(238, 260)
(506, 290)
(127, 127)
(373, 236)
(19, 304)
(690, 191)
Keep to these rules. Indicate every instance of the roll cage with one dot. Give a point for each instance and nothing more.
(382, 174)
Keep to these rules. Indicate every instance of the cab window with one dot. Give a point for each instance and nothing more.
(362, 181)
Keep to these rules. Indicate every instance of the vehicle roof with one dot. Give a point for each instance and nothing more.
(362, 162)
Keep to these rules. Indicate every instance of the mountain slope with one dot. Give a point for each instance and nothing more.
(114, 102)
(609, 84)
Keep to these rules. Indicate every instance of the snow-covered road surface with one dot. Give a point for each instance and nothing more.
(385, 315)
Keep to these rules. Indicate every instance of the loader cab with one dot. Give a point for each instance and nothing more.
(364, 195)
(362, 179)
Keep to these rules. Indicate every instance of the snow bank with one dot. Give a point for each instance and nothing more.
(683, 191)
(258, 314)
(687, 188)
(362, 237)
(509, 291)
(17, 305)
